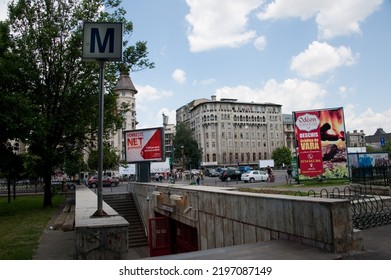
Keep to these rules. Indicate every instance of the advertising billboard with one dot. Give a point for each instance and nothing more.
(321, 143)
(144, 145)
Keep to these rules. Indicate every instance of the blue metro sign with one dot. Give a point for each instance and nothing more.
(102, 41)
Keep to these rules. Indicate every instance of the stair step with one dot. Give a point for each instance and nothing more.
(125, 206)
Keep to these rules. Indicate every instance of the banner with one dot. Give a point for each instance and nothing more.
(144, 145)
(321, 143)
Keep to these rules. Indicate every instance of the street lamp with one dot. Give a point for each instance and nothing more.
(183, 156)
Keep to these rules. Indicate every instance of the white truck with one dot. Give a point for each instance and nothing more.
(265, 163)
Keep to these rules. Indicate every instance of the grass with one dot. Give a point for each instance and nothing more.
(22, 223)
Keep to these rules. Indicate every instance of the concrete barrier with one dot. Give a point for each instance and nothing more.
(98, 238)
(225, 216)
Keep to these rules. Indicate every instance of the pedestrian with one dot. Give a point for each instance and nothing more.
(289, 175)
(269, 173)
(197, 178)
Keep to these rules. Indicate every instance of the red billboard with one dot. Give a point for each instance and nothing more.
(144, 145)
(321, 143)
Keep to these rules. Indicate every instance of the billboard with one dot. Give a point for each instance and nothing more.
(321, 143)
(144, 145)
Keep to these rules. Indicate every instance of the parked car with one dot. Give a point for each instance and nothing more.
(244, 169)
(211, 172)
(229, 174)
(106, 181)
(194, 172)
(254, 175)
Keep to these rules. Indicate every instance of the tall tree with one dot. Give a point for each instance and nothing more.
(111, 159)
(186, 147)
(61, 90)
(282, 155)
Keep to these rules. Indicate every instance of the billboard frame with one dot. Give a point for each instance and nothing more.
(135, 155)
(314, 135)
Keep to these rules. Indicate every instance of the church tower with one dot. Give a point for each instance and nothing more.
(126, 92)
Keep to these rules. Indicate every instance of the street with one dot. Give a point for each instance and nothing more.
(211, 181)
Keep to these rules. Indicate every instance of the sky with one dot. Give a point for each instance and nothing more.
(301, 54)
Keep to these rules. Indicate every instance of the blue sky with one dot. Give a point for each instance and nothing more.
(302, 54)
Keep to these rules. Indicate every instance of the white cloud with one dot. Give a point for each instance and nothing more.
(147, 94)
(260, 43)
(148, 100)
(292, 94)
(320, 58)
(333, 17)
(215, 24)
(179, 76)
(368, 121)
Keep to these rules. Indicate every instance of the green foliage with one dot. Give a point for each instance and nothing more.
(282, 155)
(110, 158)
(387, 147)
(191, 153)
(370, 149)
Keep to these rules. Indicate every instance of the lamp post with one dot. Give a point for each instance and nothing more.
(183, 161)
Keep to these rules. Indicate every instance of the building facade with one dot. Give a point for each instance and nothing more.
(289, 132)
(169, 133)
(233, 133)
(378, 140)
(355, 138)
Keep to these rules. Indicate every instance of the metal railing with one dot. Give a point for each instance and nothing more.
(372, 175)
(368, 209)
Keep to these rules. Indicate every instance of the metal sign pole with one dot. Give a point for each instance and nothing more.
(100, 211)
(102, 41)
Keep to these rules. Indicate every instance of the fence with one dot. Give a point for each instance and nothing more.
(368, 209)
(372, 175)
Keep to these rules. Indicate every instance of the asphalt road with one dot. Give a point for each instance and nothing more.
(213, 181)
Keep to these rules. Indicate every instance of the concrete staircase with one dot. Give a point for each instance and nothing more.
(125, 205)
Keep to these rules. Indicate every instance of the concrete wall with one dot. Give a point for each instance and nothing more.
(98, 238)
(226, 217)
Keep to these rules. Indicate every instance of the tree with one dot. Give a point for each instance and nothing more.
(61, 90)
(111, 159)
(15, 116)
(387, 147)
(370, 149)
(281, 156)
(184, 142)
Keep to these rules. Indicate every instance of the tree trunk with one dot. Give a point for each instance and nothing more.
(47, 198)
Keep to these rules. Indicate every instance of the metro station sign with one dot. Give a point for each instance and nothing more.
(102, 41)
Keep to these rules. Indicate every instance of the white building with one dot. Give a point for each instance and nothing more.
(233, 133)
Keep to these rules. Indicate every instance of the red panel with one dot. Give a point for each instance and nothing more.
(186, 238)
(159, 236)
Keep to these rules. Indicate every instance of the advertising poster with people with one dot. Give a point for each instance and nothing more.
(144, 145)
(321, 143)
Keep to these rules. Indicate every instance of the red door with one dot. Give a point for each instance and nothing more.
(159, 236)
